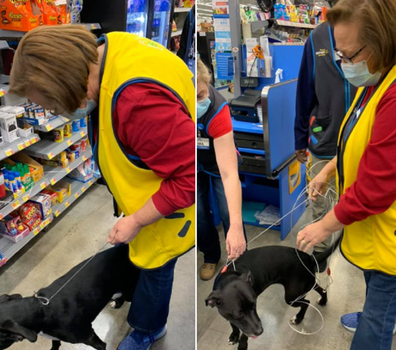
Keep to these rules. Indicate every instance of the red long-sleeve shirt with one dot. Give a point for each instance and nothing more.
(153, 124)
(374, 190)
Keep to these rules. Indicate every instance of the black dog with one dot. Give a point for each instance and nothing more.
(235, 292)
(70, 314)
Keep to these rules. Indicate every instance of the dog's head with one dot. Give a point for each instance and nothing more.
(10, 331)
(236, 302)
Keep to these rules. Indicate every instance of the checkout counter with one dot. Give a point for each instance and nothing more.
(263, 122)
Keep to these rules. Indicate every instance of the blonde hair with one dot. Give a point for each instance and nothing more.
(55, 62)
(203, 73)
(377, 22)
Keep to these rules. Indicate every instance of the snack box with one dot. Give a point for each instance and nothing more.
(43, 203)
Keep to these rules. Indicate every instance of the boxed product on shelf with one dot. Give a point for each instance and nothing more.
(83, 172)
(30, 215)
(16, 111)
(43, 203)
(8, 127)
(13, 228)
(53, 196)
(19, 15)
(36, 115)
(63, 189)
(61, 160)
(36, 169)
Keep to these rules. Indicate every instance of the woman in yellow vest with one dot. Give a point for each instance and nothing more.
(365, 166)
(141, 89)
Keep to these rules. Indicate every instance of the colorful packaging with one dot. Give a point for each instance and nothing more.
(58, 134)
(76, 125)
(68, 130)
(43, 203)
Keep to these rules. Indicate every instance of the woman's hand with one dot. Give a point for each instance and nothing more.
(318, 186)
(311, 236)
(125, 230)
(316, 233)
(235, 243)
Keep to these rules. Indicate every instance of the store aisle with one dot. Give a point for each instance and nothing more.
(78, 234)
(345, 295)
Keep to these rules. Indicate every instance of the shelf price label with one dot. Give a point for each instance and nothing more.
(50, 155)
(16, 204)
(43, 185)
(26, 198)
(57, 213)
(28, 143)
(77, 195)
(36, 231)
(34, 140)
(90, 183)
(82, 133)
(83, 189)
(49, 127)
(1, 216)
(53, 181)
(84, 158)
(69, 143)
(21, 146)
(68, 170)
(67, 204)
(9, 152)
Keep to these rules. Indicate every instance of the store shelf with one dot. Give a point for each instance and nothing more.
(52, 175)
(77, 189)
(19, 34)
(9, 149)
(8, 249)
(48, 149)
(179, 32)
(51, 125)
(56, 174)
(182, 9)
(295, 24)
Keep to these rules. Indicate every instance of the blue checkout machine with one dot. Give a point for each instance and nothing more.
(263, 121)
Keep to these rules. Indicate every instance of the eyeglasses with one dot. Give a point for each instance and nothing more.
(348, 59)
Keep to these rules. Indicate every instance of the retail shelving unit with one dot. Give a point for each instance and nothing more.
(45, 149)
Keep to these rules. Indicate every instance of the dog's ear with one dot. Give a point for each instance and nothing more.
(15, 328)
(5, 297)
(248, 277)
(213, 299)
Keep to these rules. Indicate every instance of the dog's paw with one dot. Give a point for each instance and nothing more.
(295, 320)
(321, 302)
(234, 339)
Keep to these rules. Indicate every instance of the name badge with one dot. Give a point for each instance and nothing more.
(203, 143)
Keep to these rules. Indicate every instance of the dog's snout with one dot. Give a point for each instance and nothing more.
(259, 331)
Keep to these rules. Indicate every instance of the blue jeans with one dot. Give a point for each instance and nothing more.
(150, 303)
(375, 329)
(208, 237)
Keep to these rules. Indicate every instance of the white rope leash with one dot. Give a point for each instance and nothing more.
(45, 301)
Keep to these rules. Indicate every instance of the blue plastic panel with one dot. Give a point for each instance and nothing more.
(137, 17)
(252, 128)
(281, 116)
(286, 57)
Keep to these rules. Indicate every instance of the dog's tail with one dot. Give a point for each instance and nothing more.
(324, 255)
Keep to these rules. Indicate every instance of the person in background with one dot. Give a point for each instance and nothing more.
(217, 167)
(145, 146)
(187, 41)
(365, 166)
(324, 96)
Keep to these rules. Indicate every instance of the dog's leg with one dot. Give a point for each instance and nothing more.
(95, 342)
(56, 344)
(323, 300)
(303, 304)
(243, 342)
(234, 337)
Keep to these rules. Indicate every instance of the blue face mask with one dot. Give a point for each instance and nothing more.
(203, 106)
(81, 113)
(359, 75)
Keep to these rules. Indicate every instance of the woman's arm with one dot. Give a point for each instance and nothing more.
(228, 165)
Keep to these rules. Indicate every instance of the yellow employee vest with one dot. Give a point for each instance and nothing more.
(129, 59)
(371, 243)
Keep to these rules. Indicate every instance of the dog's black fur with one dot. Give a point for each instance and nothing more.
(235, 292)
(70, 314)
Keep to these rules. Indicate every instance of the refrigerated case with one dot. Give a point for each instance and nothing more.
(148, 18)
